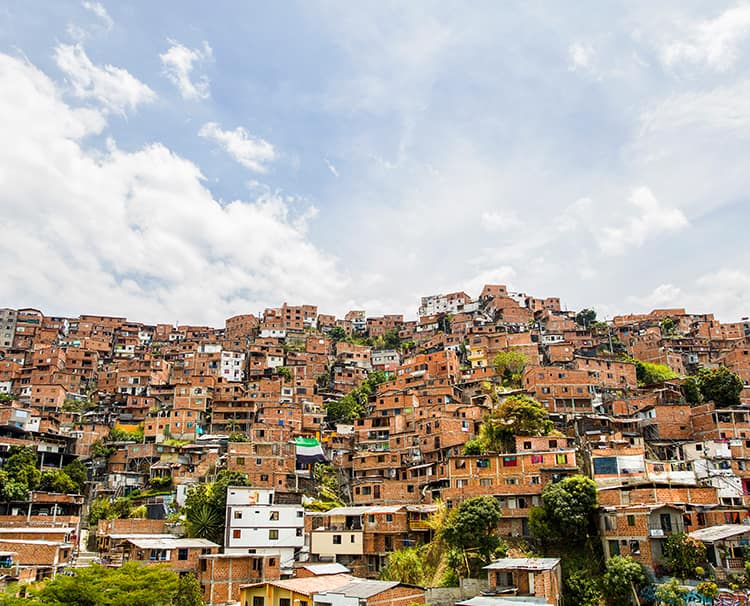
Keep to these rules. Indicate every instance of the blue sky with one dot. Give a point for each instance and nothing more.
(178, 161)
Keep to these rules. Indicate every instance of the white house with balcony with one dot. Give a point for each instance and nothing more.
(262, 521)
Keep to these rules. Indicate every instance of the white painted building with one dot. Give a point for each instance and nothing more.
(233, 365)
(447, 304)
(257, 523)
(273, 333)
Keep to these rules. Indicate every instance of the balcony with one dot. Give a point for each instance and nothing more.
(419, 525)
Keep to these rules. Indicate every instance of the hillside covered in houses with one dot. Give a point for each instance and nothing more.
(498, 450)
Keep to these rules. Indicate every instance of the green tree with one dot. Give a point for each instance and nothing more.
(649, 373)
(21, 466)
(405, 566)
(77, 472)
(12, 490)
(472, 447)
(671, 593)
(667, 326)
(471, 530)
(205, 506)
(130, 585)
(585, 318)
(620, 580)
(691, 391)
(569, 506)
(99, 451)
(337, 334)
(391, 340)
(683, 554)
(204, 521)
(355, 404)
(519, 415)
(56, 480)
(582, 589)
(285, 373)
(720, 385)
(509, 365)
(188, 592)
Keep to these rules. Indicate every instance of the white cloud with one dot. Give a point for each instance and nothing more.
(499, 221)
(652, 219)
(101, 12)
(714, 43)
(580, 56)
(179, 62)
(725, 293)
(331, 167)
(113, 87)
(251, 152)
(499, 275)
(135, 233)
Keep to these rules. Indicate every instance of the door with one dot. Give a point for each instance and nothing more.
(666, 522)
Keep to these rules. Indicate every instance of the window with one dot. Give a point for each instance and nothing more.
(284, 602)
(510, 462)
(257, 600)
(240, 461)
(237, 515)
(370, 519)
(635, 548)
(389, 517)
(527, 445)
(631, 520)
(182, 554)
(561, 459)
(299, 532)
(273, 534)
(300, 514)
(236, 533)
(337, 539)
(274, 516)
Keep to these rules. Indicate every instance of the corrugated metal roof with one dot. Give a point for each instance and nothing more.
(35, 529)
(171, 543)
(363, 588)
(523, 564)
(308, 585)
(718, 533)
(319, 569)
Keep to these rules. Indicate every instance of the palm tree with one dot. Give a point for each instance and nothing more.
(205, 522)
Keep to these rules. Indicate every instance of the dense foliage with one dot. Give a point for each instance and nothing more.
(720, 385)
(130, 585)
(683, 554)
(518, 415)
(567, 510)
(355, 404)
(205, 506)
(621, 579)
(470, 531)
(509, 366)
